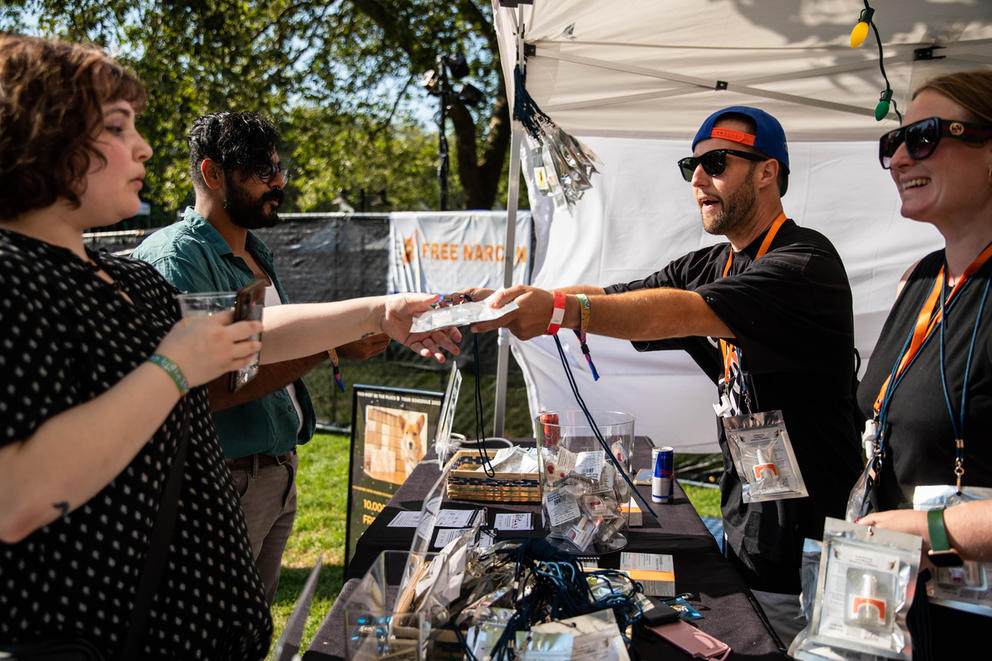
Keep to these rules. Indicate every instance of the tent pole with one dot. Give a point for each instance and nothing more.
(509, 251)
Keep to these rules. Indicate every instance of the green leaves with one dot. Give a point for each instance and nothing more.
(338, 77)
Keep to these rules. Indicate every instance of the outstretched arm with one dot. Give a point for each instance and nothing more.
(294, 331)
(642, 314)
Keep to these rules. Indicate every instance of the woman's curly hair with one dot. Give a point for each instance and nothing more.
(51, 93)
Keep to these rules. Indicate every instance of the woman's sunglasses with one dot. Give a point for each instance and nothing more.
(922, 137)
(714, 162)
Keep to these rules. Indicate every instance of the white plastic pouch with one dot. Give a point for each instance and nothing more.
(965, 588)
(595, 635)
(762, 453)
(459, 315)
(865, 587)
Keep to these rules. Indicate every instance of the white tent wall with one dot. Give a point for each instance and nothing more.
(641, 214)
(635, 79)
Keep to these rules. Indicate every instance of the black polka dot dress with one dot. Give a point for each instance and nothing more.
(66, 336)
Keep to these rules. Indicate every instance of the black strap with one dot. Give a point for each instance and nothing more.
(159, 545)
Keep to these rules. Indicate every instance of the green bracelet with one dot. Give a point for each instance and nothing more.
(585, 312)
(172, 370)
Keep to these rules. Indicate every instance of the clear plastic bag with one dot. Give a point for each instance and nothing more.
(865, 586)
(967, 587)
(762, 453)
(460, 315)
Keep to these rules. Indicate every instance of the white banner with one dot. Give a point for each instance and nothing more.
(442, 252)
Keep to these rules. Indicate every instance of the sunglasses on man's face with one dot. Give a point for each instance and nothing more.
(714, 162)
(266, 173)
(922, 137)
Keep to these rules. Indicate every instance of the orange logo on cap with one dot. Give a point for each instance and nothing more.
(733, 136)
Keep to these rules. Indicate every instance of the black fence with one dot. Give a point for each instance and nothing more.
(335, 256)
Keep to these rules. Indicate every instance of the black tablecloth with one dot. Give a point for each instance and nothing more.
(730, 612)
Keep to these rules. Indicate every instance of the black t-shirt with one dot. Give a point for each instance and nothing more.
(791, 315)
(919, 446)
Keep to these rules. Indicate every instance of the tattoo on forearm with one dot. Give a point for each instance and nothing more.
(369, 334)
(62, 507)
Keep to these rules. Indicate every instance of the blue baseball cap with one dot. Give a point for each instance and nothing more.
(769, 137)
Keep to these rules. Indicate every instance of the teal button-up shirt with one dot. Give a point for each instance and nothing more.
(194, 257)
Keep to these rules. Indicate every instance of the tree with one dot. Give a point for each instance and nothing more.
(338, 76)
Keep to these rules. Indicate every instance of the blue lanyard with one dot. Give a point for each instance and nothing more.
(957, 423)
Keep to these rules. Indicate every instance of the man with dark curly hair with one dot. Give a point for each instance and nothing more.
(239, 179)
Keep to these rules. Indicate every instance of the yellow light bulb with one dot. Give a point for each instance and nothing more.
(858, 34)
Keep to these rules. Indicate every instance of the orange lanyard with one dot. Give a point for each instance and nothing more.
(728, 350)
(928, 320)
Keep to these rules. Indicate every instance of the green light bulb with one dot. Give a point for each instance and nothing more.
(882, 109)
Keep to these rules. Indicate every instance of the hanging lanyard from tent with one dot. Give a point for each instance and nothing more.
(929, 318)
(728, 350)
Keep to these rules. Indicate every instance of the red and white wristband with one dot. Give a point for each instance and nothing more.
(557, 314)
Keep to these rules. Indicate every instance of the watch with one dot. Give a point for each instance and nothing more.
(941, 553)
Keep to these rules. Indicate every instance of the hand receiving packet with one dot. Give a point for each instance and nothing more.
(459, 315)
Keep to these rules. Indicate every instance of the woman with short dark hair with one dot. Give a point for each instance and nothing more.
(100, 384)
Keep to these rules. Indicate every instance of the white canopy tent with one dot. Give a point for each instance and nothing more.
(633, 80)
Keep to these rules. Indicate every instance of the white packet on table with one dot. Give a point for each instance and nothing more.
(460, 315)
(596, 635)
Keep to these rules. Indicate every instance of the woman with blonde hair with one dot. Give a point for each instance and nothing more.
(927, 389)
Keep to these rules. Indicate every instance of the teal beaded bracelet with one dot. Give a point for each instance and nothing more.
(172, 370)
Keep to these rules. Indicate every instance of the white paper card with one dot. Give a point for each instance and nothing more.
(513, 521)
(445, 535)
(405, 520)
(455, 518)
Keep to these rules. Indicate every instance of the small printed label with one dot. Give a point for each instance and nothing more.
(562, 507)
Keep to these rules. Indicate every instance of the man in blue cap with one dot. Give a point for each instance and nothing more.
(768, 316)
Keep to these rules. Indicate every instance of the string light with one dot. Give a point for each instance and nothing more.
(858, 35)
(860, 31)
(882, 109)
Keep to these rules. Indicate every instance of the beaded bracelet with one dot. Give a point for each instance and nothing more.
(172, 370)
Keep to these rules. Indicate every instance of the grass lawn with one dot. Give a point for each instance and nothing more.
(322, 486)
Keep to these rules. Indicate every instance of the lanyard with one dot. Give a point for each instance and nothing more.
(728, 350)
(929, 318)
(958, 423)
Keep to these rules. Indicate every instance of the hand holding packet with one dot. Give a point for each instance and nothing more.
(460, 315)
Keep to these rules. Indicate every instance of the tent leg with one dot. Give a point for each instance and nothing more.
(503, 355)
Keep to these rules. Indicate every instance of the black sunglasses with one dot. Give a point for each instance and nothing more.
(922, 137)
(714, 162)
(266, 173)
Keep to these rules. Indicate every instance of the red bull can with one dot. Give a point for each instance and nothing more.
(664, 475)
(552, 432)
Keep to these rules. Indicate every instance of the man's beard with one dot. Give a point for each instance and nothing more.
(247, 212)
(735, 210)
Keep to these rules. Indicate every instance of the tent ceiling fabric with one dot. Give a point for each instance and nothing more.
(650, 67)
(635, 79)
